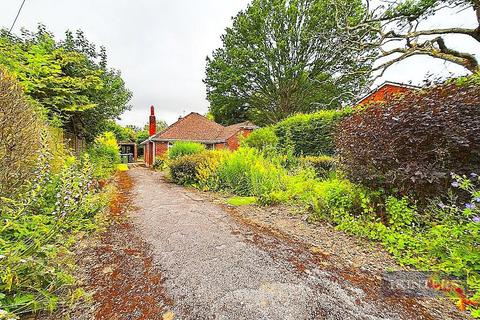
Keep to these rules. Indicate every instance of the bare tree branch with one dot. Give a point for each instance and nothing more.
(393, 31)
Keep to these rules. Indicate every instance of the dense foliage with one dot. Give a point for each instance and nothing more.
(248, 173)
(52, 199)
(105, 154)
(182, 148)
(284, 57)
(323, 165)
(411, 144)
(310, 134)
(122, 134)
(68, 78)
(43, 223)
(442, 238)
(262, 139)
(195, 169)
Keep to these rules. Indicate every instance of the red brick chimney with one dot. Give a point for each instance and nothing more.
(153, 122)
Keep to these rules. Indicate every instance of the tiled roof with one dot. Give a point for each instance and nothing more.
(234, 128)
(195, 127)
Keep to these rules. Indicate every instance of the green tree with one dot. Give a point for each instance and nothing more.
(122, 134)
(283, 57)
(68, 78)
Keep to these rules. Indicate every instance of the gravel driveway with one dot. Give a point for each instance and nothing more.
(215, 266)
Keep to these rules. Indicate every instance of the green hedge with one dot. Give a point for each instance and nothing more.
(323, 165)
(310, 134)
(262, 139)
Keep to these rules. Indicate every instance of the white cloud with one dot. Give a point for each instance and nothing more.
(160, 46)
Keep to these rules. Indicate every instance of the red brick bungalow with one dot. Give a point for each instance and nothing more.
(197, 128)
(383, 91)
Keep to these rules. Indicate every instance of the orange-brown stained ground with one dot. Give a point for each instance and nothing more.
(120, 269)
(282, 246)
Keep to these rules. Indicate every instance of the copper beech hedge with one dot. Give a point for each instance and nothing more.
(411, 144)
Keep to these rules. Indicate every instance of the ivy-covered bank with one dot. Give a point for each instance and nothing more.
(419, 197)
(49, 200)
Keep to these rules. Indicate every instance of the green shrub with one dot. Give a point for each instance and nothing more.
(400, 213)
(184, 169)
(159, 164)
(443, 238)
(262, 139)
(310, 134)
(105, 154)
(196, 169)
(247, 172)
(207, 169)
(183, 148)
(335, 198)
(323, 165)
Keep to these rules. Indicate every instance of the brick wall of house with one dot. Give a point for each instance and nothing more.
(220, 146)
(161, 149)
(233, 142)
(383, 93)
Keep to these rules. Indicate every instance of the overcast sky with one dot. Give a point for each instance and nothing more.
(161, 45)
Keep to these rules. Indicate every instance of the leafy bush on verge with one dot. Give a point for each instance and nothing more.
(335, 197)
(184, 169)
(443, 238)
(43, 222)
(247, 172)
(310, 134)
(105, 154)
(183, 148)
(47, 200)
(323, 165)
(412, 144)
(196, 169)
(262, 139)
(158, 164)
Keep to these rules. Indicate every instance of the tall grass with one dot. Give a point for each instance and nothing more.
(247, 172)
(183, 148)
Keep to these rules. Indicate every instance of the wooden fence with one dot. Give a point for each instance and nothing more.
(75, 144)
